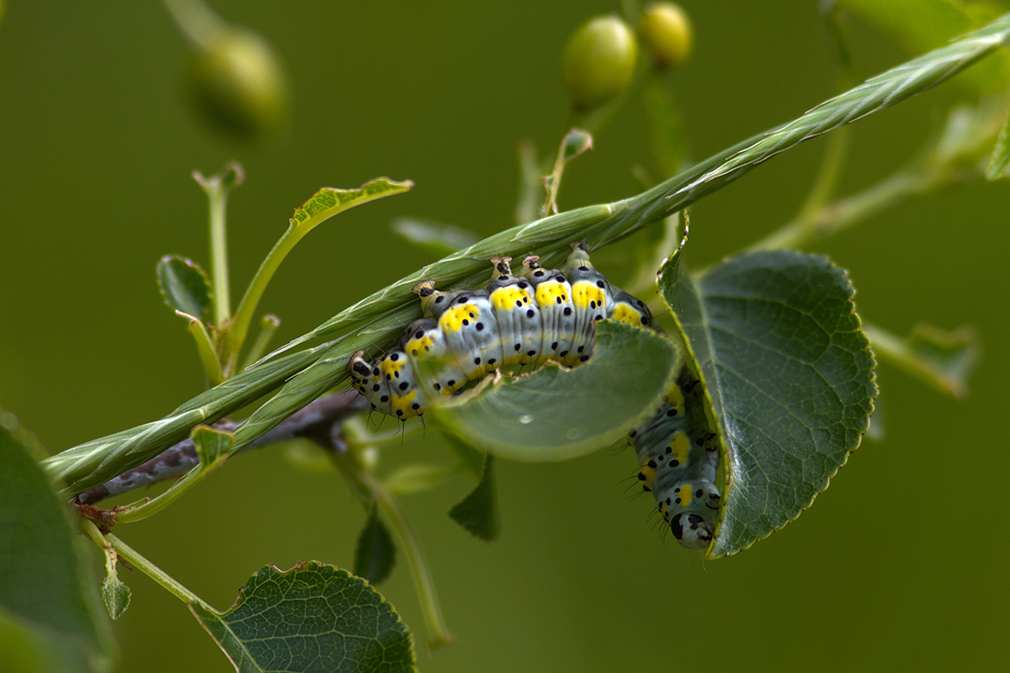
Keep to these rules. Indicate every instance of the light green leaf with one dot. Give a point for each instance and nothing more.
(330, 201)
(558, 414)
(417, 478)
(115, 594)
(314, 617)
(942, 359)
(788, 377)
(184, 286)
(999, 163)
(921, 25)
(434, 236)
(478, 511)
(46, 586)
(374, 553)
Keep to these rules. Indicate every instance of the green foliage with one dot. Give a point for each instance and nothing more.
(375, 553)
(46, 585)
(999, 162)
(920, 25)
(313, 617)
(789, 379)
(560, 414)
(478, 511)
(184, 286)
(942, 359)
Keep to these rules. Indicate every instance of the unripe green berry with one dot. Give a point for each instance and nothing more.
(238, 84)
(665, 34)
(598, 63)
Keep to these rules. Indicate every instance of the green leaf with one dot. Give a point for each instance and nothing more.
(375, 553)
(478, 511)
(788, 375)
(921, 25)
(558, 414)
(417, 478)
(184, 286)
(115, 594)
(999, 163)
(330, 201)
(434, 236)
(942, 359)
(314, 617)
(46, 586)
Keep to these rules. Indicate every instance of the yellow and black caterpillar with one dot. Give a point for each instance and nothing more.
(527, 319)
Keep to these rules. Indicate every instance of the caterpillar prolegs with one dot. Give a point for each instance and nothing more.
(539, 315)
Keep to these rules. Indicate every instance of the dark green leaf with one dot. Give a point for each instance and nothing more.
(375, 553)
(999, 163)
(558, 414)
(184, 286)
(788, 374)
(575, 143)
(314, 617)
(478, 511)
(46, 585)
(439, 238)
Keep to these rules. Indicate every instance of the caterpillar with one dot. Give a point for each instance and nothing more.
(530, 318)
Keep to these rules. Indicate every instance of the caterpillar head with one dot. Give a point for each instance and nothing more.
(692, 531)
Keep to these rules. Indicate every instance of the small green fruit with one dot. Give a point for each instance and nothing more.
(598, 63)
(238, 84)
(665, 33)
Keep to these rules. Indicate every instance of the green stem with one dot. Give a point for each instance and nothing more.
(205, 349)
(218, 202)
(258, 285)
(843, 213)
(369, 489)
(268, 327)
(131, 556)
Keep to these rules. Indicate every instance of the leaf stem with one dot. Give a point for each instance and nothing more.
(135, 559)
(369, 489)
(841, 214)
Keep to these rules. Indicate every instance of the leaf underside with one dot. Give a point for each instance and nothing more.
(789, 378)
(559, 414)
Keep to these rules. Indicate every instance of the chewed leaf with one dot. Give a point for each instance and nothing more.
(314, 617)
(942, 359)
(478, 511)
(789, 377)
(184, 286)
(330, 201)
(558, 414)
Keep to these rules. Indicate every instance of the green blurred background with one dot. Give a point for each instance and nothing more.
(902, 565)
